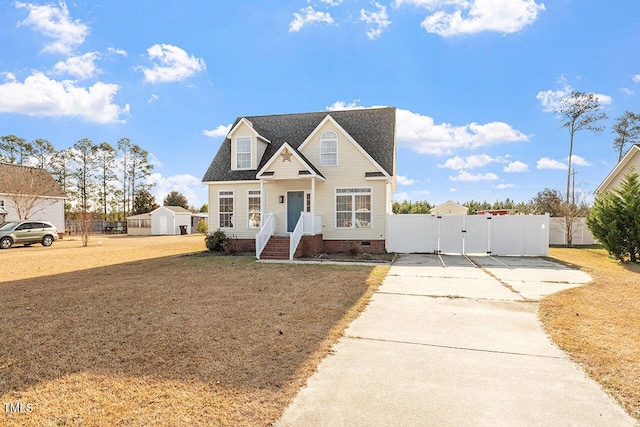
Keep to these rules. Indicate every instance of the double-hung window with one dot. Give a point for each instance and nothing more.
(226, 201)
(253, 204)
(328, 148)
(243, 152)
(353, 208)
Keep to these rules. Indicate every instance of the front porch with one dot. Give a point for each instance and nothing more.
(288, 245)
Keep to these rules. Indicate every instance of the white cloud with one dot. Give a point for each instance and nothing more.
(465, 176)
(55, 23)
(377, 22)
(421, 134)
(401, 196)
(579, 161)
(81, 67)
(8, 76)
(188, 185)
(470, 162)
(341, 105)
(455, 17)
(332, 2)
(516, 166)
(174, 64)
(403, 180)
(627, 91)
(38, 95)
(217, 132)
(117, 51)
(551, 100)
(308, 16)
(153, 98)
(503, 186)
(636, 78)
(547, 163)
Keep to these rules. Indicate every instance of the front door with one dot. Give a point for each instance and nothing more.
(295, 205)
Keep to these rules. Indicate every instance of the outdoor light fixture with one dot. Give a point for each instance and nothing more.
(281, 199)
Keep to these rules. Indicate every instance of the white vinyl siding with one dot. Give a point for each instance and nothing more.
(243, 152)
(226, 208)
(329, 148)
(353, 208)
(253, 208)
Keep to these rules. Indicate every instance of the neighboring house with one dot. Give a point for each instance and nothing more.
(450, 208)
(167, 220)
(330, 174)
(30, 193)
(631, 159)
(139, 225)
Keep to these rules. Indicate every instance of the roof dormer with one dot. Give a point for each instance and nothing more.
(247, 146)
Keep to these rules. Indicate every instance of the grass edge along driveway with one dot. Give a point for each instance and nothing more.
(598, 324)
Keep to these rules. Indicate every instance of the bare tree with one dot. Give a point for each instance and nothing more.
(85, 152)
(29, 189)
(124, 146)
(627, 130)
(579, 111)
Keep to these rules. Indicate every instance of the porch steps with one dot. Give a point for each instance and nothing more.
(277, 248)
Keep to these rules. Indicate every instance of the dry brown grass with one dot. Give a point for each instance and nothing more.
(598, 324)
(134, 332)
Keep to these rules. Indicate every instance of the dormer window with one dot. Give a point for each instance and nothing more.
(329, 148)
(243, 152)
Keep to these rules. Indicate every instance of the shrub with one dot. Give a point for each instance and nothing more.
(202, 227)
(615, 219)
(215, 241)
(230, 246)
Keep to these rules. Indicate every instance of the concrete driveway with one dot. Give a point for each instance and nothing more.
(455, 341)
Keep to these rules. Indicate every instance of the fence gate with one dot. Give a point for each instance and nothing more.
(468, 234)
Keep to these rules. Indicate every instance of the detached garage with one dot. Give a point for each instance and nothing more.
(169, 220)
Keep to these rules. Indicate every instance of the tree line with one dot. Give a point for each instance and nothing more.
(546, 201)
(101, 180)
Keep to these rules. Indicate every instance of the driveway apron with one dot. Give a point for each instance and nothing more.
(455, 341)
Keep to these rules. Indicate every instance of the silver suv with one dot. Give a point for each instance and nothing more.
(27, 233)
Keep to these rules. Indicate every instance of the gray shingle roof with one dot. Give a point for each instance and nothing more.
(25, 179)
(372, 128)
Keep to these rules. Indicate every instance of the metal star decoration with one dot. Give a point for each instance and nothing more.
(286, 155)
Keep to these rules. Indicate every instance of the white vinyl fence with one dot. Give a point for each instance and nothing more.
(581, 234)
(469, 234)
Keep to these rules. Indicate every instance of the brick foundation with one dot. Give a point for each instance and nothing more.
(368, 246)
(246, 245)
(309, 246)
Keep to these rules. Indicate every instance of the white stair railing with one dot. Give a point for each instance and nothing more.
(265, 233)
(311, 223)
(296, 236)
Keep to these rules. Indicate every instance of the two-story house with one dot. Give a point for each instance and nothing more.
(307, 183)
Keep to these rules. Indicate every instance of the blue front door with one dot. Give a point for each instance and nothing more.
(295, 205)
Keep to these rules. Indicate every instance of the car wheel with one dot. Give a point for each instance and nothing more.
(47, 241)
(5, 243)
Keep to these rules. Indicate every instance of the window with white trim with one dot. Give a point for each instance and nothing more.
(243, 152)
(253, 205)
(329, 148)
(226, 202)
(353, 207)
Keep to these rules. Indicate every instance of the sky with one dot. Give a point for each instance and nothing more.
(475, 82)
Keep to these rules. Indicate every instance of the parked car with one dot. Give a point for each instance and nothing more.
(27, 233)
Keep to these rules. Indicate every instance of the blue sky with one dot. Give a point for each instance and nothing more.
(474, 81)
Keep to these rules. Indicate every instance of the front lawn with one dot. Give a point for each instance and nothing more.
(143, 331)
(598, 324)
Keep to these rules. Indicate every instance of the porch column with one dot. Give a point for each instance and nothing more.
(313, 205)
(262, 198)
